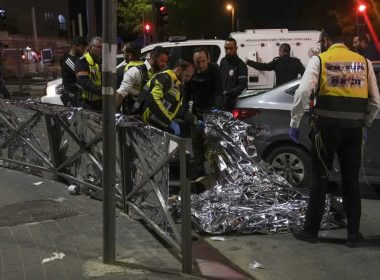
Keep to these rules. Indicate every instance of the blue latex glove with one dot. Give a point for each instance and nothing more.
(215, 111)
(294, 135)
(201, 124)
(176, 128)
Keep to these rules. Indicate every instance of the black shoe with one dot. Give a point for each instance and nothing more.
(197, 174)
(353, 240)
(305, 236)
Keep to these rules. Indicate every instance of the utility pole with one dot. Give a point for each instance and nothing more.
(155, 24)
(34, 29)
(109, 50)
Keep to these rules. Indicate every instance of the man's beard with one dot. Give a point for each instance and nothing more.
(230, 56)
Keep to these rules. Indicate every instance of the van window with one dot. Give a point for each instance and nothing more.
(171, 52)
(187, 52)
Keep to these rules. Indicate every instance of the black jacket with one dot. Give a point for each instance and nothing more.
(286, 68)
(205, 90)
(234, 76)
(370, 52)
(84, 81)
(69, 80)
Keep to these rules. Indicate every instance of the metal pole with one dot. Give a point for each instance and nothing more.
(73, 30)
(187, 260)
(34, 28)
(109, 130)
(143, 28)
(155, 22)
(80, 27)
(233, 19)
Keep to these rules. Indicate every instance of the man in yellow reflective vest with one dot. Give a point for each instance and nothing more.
(347, 101)
(89, 75)
(164, 99)
(137, 73)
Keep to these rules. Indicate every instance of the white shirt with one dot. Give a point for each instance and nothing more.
(309, 83)
(131, 78)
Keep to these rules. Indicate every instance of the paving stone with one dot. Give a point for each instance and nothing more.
(78, 237)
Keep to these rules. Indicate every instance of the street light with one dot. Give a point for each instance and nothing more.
(231, 8)
(362, 8)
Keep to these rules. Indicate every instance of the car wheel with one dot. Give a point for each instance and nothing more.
(292, 163)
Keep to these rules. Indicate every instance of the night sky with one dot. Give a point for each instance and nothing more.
(291, 14)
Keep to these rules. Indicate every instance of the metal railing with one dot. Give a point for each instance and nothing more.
(63, 143)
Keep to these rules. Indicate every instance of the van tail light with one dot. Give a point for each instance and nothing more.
(244, 113)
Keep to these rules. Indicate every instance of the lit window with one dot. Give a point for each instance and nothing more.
(62, 22)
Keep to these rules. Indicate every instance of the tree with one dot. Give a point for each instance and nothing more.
(198, 18)
(130, 14)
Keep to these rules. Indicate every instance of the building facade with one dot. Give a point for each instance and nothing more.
(51, 17)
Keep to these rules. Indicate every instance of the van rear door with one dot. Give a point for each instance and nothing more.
(260, 52)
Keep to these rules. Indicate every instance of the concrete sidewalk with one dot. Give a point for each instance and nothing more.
(46, 233)
(69, 245)
(286, 258)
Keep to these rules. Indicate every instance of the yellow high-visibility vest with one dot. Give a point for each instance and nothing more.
(165, 99)
(343, 85)
(95, 76)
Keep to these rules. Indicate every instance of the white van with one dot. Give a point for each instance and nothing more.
(258, 44)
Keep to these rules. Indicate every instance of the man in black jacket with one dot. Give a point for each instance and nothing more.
(234, 74)
(205, 87)
(205, 92)
(89, 75)
(286, 67)
(71, 92)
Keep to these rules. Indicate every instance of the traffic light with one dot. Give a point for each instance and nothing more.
(147, 33)
(162, 18)
(147, 28)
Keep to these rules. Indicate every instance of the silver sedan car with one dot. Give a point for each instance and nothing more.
(270, 110)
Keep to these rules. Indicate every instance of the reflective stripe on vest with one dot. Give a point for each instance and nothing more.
(343, 84)
(136, 88)
(133, 63)
(171, 100)
(95, 77)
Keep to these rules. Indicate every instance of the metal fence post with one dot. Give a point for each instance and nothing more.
(187, 261)
(54, 136)
(125, 165)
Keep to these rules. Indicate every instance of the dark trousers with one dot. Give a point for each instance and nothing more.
(347, 144)
(4, 93)
(92, 105)
(127, 105)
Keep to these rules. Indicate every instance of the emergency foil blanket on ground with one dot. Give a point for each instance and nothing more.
(249, 195)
